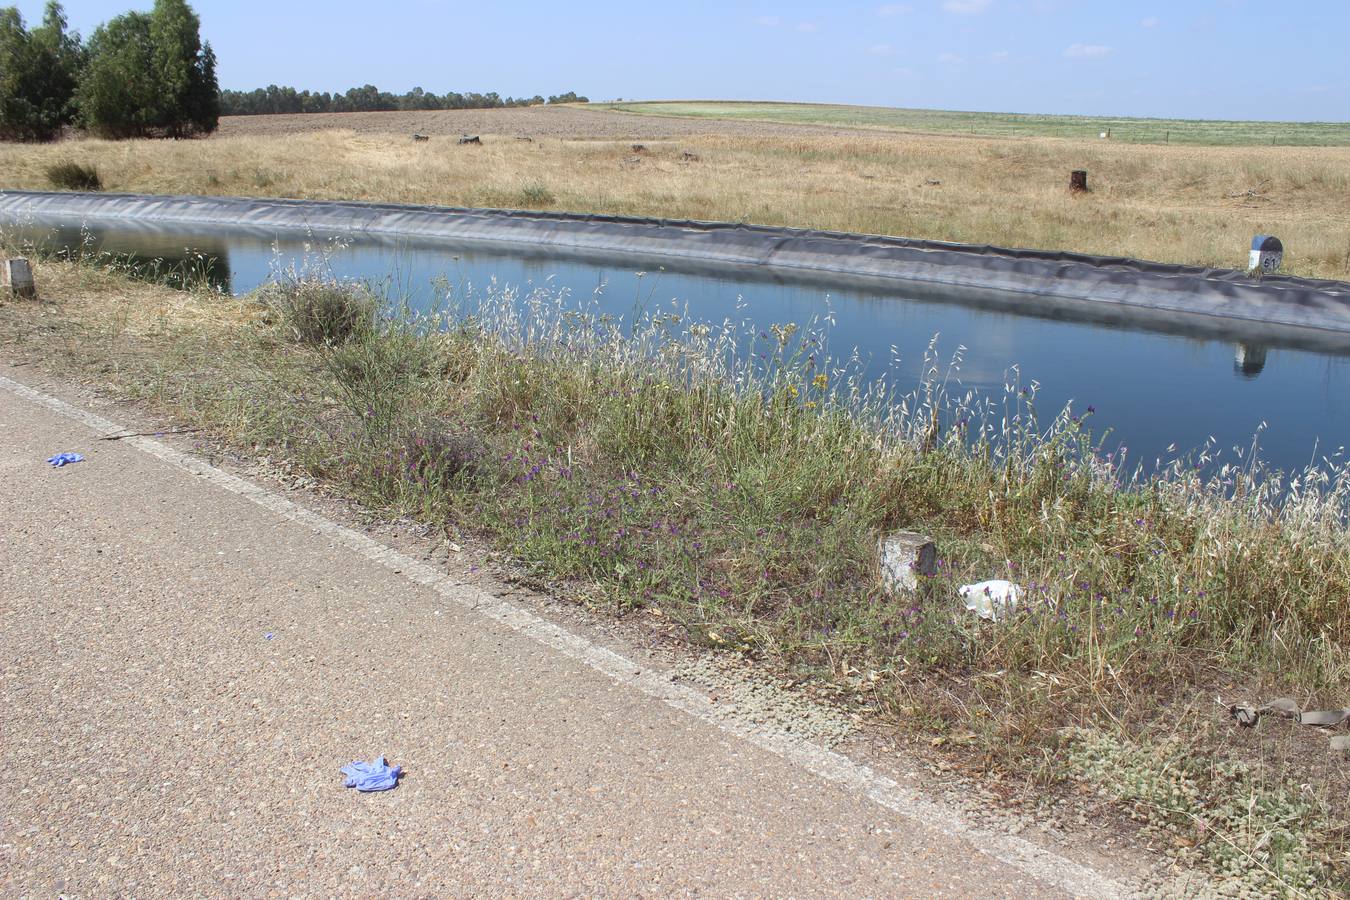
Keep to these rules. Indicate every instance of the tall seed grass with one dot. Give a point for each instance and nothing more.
(742, 480)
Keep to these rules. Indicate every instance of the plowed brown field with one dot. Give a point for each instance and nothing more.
(532, 121)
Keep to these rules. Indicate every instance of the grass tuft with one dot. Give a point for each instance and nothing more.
(321, 313)
(73, 176)
(536, 195)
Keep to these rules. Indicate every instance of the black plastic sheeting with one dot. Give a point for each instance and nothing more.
(1040, 277)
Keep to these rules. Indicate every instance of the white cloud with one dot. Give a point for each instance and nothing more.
(1087, 51)
(951, 58)
(806, 27)
(769, 21)
(966, 7)
(904, 72)
(999, 56)
(1150, 22)
(881, 49)
(895, 9)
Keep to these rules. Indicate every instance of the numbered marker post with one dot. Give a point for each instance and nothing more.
(1267, 254)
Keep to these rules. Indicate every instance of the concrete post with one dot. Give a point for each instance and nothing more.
(16, 278)
(905, 556)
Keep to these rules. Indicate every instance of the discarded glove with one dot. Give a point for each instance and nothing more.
(372, 776)
(990, 599)
(64, 459)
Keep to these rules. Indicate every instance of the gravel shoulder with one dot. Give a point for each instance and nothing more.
(191, 668)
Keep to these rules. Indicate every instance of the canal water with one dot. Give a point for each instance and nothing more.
(1163, 388)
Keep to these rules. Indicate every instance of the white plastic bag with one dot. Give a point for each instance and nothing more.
(991, 599)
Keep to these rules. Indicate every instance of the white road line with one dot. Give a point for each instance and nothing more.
(1044, 865)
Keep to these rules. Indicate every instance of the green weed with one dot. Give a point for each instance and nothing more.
(536, 195)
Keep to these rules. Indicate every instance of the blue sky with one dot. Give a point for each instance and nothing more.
(1183, 58)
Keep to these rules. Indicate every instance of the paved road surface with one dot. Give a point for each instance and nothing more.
(155, 741)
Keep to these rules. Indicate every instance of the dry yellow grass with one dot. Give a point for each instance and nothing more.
(1196, 205)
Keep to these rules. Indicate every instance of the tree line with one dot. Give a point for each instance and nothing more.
(150, 75)
(368, 98)
(139, 75)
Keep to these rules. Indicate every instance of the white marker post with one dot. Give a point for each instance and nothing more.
(1267, 255)
(16, 278)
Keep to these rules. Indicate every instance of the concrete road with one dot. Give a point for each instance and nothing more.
(185, 664)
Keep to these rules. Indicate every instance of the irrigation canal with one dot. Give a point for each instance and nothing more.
(1156, 382)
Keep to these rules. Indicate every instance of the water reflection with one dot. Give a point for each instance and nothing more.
(1249, 360)
(179, 261)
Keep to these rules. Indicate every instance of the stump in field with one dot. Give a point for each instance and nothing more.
(418, 138)
(1078, 181)
(16, 279)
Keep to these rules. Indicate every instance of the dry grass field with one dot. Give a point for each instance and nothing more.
(1196, 205)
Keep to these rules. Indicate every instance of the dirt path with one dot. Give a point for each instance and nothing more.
(189, 657)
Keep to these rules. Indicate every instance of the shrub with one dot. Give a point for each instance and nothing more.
(436, 454)
(73, 176)
(322, 313)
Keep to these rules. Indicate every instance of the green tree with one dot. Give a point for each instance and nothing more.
(185, 70)
(38, 75)
(149, 74)
(118, 94)
(203, 98)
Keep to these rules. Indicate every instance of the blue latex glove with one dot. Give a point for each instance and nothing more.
(372, 776)
(64, 459)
